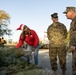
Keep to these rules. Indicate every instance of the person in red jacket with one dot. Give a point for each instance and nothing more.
(31, 38)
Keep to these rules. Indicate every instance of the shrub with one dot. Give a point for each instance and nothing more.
(11, 61)
(36, 72)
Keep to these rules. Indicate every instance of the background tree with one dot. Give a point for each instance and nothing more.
(4, 22)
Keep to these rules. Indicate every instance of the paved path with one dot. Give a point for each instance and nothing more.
(44, 61)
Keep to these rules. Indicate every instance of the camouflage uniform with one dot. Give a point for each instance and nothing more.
(72, 38)
(73, 42)
(57, 34)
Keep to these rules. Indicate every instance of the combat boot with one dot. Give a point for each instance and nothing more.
(63, 73)
(55, 72)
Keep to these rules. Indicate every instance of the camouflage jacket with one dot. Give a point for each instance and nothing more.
(73, 32)
(57, 33)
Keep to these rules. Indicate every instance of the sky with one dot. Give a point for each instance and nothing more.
(35, 14)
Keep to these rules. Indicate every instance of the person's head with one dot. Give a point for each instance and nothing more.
(54, 17)
(70, 12)
(25, 30)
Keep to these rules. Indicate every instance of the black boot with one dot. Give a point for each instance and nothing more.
(63, 73)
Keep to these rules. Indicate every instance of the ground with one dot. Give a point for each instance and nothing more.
(44, 61)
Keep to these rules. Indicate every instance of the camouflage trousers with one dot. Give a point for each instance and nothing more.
(74, 62)
(61, 53)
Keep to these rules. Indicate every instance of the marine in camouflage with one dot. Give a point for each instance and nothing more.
(72, 16)
(57, 33)
(73, 43)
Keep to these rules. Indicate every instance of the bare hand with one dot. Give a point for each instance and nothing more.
(72, 47)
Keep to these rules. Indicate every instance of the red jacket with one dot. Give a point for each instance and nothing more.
(32, 39)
